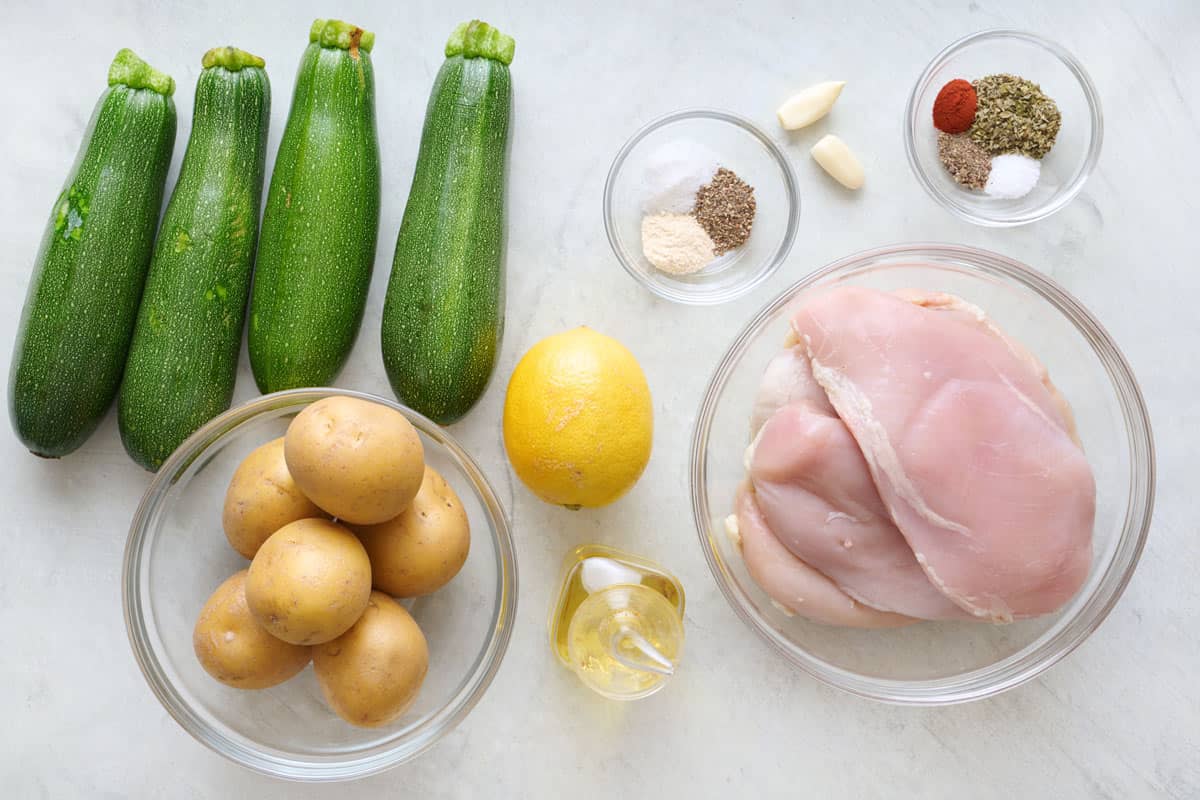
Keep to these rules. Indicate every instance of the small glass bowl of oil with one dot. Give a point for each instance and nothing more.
(618, 622)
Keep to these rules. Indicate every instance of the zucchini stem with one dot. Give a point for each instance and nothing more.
(335, 33)
(231, 59)
(477, 39)
(129, 70)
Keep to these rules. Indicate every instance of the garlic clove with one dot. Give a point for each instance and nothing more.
(810, 105)
(839, 161)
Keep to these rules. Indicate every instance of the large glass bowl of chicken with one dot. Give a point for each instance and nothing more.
(923, 473)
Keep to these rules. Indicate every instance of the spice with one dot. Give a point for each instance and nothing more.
(1013, 115)
(1013, 176)
(954, 108)
(725, 208)
(672, 174)
(676, 243)
(967, 162)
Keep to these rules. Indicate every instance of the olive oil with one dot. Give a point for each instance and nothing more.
(625, 636)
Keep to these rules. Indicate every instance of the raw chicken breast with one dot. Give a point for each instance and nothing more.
(969, 451)
(787, 380)
(794, 585)
(972, 314)
(815, 494)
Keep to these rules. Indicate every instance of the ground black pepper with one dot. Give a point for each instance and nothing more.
(725, 208)
(967, 162)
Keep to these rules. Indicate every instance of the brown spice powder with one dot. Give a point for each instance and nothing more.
(967, 162)
(725, 208)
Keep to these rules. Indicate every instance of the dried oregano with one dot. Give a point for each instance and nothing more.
(1014, 115)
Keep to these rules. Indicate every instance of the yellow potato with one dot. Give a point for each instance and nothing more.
(419, 551)
(309, 582)
(262, 498)
(360, 461)
(371, 673)
(233, 647)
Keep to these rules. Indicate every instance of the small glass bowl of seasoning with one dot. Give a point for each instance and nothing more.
(700, 206)
(1028, 68)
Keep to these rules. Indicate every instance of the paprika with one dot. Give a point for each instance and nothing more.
(954, 108)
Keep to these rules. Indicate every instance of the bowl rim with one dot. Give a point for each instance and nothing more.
(269, 761)
(1064, 195)
(1051, 646)
(773, 262)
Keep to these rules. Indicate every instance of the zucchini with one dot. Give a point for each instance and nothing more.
(443, 316)
(183, 360)
(87, 280)
(320, 223)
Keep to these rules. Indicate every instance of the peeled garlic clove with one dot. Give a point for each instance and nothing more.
(837, 159)
(809, 105)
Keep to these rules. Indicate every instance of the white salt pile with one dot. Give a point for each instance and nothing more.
(1013, 176)
(673, 173)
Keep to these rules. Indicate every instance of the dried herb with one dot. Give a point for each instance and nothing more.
(967, 162)
(725, 208)
(1013, 115)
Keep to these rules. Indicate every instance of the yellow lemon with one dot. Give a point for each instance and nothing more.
(578, 422)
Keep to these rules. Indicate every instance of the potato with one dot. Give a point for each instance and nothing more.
(234, 648)
(419, 551)
(360, 461)
(262, 498)
(309, 582)
(371, 673)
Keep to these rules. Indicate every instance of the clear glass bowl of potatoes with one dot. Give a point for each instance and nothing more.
(177, 554)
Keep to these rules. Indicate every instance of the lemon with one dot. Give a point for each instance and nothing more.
(578, 422)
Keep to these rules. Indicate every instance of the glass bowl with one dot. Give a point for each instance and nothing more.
(1064, 169)
(177, 555)
(741, 147)
(948, 662)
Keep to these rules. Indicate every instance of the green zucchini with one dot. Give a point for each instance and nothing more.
(87, 280)
(320, 223)
(183, 359)
(443, 316)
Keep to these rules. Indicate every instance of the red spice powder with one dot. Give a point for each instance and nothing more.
(954, 108)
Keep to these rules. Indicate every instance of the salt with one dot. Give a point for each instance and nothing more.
(672, 174)
(1013, 176)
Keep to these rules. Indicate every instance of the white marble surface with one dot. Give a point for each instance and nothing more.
(1120, 718)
